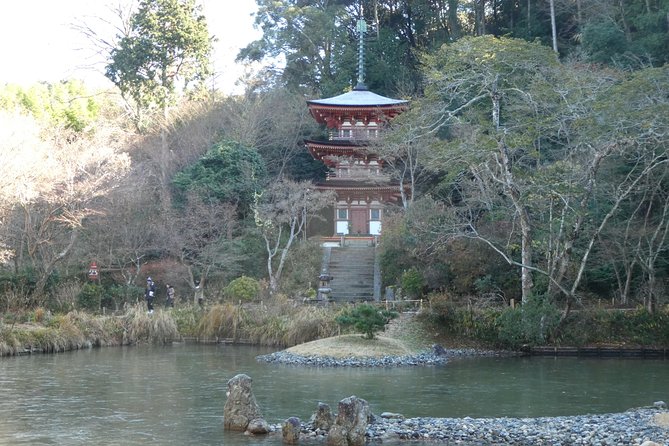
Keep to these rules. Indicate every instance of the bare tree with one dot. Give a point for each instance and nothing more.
(281, 215)
(202, 237)
(406, 152)
(56, 188)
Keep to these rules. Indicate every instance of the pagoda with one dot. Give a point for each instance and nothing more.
(354, 120)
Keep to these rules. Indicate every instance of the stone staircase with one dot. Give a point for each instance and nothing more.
(353, 272)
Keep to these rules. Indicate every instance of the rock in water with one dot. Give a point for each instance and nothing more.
(438, 350)
(241, 411)
(290, 430)
(322, 419)
(258, 427)
(351, 423)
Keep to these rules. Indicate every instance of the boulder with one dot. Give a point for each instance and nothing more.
(258, 427)
(322, 419)
(351, 423)
(290, 430)
(241, 411)
(438, 350)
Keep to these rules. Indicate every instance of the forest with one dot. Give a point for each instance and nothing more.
(535, 149)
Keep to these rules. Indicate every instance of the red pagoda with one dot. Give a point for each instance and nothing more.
(354, 120)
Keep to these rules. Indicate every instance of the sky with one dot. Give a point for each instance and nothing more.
(38, 41)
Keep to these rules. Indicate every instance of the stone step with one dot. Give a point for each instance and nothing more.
(352, 271)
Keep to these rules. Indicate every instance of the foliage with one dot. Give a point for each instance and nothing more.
(309, 36)
(636, 37)
(117, 296)
(537, 324)
(229, 172)
(303, 267)
(187, 319)
(242, 288)
(67, 104)
(531, 324)
(366, 319)
(90, 297)
(167, 47)
(413, 283)
(455, 264)
(617, 327)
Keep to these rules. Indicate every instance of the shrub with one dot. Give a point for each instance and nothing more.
(413, 282)
(243, 288)
(116, 296)
(90, 297)
(366, 319)
(302, 268)
(533, 323)
(187, 318)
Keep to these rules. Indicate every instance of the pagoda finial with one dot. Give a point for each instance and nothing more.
(362, 29)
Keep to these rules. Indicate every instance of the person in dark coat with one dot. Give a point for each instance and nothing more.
(170, 296)
(150, 294)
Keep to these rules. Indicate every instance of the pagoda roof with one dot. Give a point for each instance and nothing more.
(336, 143)
(358, 98)
(357, 185)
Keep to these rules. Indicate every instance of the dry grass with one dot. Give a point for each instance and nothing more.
(353, 345)
(661, 419)
(278, 323)
(222, 321)
(156, 328)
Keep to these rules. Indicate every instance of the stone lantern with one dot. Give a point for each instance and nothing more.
(324, 289)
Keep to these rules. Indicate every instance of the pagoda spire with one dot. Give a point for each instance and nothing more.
(362, 29)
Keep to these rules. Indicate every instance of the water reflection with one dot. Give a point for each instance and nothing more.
(175, 395)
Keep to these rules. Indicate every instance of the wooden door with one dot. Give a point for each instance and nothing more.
(359, 222)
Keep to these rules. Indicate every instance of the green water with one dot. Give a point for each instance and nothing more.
(175, 395)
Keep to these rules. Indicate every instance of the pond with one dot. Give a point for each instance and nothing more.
(175, 395)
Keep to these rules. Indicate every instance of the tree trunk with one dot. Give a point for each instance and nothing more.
(480, 17)
(50, 265)
(553, 26)
(453, 22)
(526, 279)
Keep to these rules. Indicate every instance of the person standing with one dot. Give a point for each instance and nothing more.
(170, 296)
(149, 294)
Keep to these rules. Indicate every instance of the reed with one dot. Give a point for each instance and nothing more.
(225, 320)
(156, 328)
(279, 323)
(310, 323)
(9, 344)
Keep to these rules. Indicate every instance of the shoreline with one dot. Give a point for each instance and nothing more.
(646, 426)
(437, 356)
(641, 426)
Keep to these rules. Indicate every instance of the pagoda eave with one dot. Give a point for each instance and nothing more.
(332, 115)
(320, 150)
(388, 193)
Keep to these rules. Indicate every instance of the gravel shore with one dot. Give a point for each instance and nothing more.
(633, 427)
(426, 358)
(642, 426)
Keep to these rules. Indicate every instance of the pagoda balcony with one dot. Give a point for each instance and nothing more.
(363, 176)
(361, 135)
